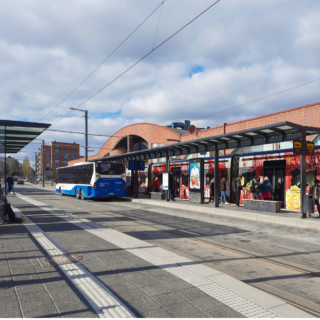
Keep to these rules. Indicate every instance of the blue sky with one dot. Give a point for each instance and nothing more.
(236, 52)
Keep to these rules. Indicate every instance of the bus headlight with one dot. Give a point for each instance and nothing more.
(95, 186)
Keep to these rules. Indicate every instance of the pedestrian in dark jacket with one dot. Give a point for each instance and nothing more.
(256, 184)
(211, 191)
(266, 189)
(315, 190)
(237, 190)
(223, 187)
(10, 184)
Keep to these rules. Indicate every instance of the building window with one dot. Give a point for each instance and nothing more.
(57, 166)
(74, 152)
(74, 157)
(57, 161)
(57, 156)
(65, 163)
(66, 151)
(65, 157)
(57, 151)
(48, 156)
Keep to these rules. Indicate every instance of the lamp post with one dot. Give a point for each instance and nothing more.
(86, 132)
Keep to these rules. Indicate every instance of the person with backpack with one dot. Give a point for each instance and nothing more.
(256, 187)
(266, 189)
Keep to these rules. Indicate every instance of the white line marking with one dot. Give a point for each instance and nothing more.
(213, 289)
(102, 300)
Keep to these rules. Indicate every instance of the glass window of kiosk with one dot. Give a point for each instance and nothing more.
(295, 177)
(154, 175)
(142, 177)
(185, 179)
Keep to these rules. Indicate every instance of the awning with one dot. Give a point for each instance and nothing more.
(15, 135)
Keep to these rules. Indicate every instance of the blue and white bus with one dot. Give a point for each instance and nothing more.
(87, 180)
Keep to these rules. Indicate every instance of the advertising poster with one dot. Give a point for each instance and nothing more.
(165, 181)
(195, 175)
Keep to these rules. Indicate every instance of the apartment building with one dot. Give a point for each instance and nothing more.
(55, 155)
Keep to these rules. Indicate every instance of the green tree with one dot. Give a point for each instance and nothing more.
(26, 168)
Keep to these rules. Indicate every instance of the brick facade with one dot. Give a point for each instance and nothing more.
(308, 115)
(58, 153)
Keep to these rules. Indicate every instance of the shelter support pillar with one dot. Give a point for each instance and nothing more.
(216, 176)
(42, 164)
(136, 182)
(168, 170)
(303, 180)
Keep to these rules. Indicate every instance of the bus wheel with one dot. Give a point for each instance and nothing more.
(81, 195)
(77, 194)
(60, 191)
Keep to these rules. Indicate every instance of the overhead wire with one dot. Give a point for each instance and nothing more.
(265, 97)
(155, 37)
(104, 59)
(137, 62)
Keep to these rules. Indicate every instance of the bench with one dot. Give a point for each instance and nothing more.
(262, 205)
(157, 196)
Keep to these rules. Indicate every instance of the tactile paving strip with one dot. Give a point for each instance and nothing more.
(102, 300)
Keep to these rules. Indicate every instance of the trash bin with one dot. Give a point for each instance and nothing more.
(308, 203)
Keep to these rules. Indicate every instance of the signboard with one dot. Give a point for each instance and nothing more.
(195, 175)
(165, 181)
(131, 165)
(297, 147)
(141, 165)
(310, 149)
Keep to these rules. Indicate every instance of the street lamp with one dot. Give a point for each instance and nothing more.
(86, 132)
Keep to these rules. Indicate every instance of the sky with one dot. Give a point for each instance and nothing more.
(236, 52)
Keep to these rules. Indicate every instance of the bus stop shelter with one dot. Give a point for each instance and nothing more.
(15, 135)
(273, 133)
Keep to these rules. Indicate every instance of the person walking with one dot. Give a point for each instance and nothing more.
(237, 190)
(211, 200)
(256, 185)
(10, 184)
(266, 189)
(223, 186)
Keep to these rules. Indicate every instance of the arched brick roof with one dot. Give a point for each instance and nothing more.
(152, 133)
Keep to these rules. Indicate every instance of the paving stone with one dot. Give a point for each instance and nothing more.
(111, 279)
(183, 310)
(207, 303)
(131, 295)
(157, 313)
(191, 293)
(145, 304)
(168, 299)
(156, 290)
(122, 286)
(225, 312)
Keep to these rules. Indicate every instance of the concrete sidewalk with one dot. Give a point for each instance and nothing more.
(111, 274)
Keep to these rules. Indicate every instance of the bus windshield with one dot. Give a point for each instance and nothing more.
(110, 168)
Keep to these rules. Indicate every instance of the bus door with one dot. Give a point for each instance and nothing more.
(176, 175)
(276, 172)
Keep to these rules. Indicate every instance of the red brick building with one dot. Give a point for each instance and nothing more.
(55, 155)
(150, 135)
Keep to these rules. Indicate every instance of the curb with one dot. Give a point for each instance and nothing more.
(292, 222)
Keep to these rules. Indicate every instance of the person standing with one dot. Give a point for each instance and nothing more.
(237, 190)
(211, 191)
(156, 185)
(316, 193)
(223, 186)
(173, 188)
(266, 189)
(256, 185)
(10, 184)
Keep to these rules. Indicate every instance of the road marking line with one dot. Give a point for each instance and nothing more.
(213, 289)
(108, 306)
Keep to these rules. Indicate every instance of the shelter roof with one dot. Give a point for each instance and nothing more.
(273, 133)
(15, 135)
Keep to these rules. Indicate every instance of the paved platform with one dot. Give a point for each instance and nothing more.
(56, 264)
